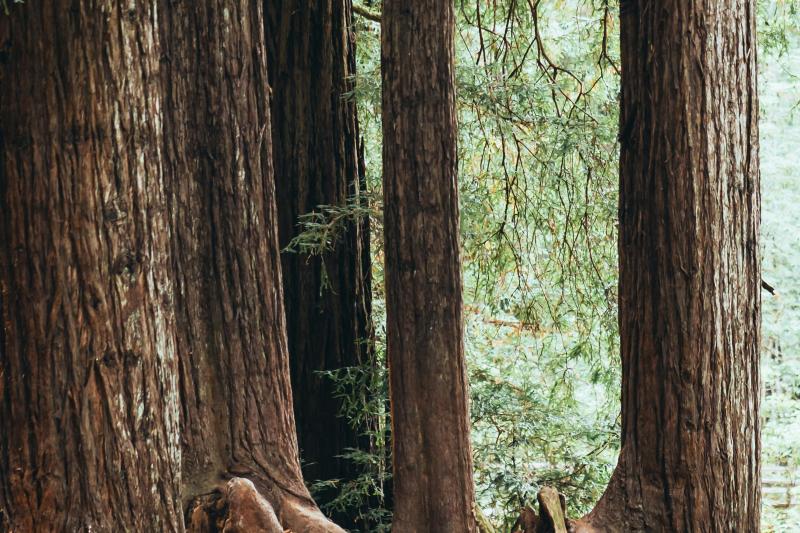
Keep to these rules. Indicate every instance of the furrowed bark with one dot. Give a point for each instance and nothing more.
(327, 298)
(433, 489)
(143, 361)
(235, 389)
(689, 272)
(89, 420)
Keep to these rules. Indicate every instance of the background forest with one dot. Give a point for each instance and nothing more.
(538, 87)
(235, 230)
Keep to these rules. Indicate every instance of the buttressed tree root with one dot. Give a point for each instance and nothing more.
(239, 507)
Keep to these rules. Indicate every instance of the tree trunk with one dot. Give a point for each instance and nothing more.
(433, 489)
(89, 402)
(689, 271)
(316, 157)
(144, 363)
(234, 378)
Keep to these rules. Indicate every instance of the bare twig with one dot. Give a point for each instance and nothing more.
(767, 287)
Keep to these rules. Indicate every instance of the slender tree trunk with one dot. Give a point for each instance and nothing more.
(316, 156)
(433, 489)
(689, 271)
(89, 403)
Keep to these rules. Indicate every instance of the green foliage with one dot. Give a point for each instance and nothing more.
(363, 390)
(778, 21)
(322, 229)
(364, 393)
(538, 85)
(780, 407)
(529, 431)
(6, 9)
(538, 108)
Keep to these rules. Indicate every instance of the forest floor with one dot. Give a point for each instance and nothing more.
(780, 173)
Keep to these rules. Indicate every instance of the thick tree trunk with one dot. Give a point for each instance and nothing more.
(327, 298)
(234, 375)
(433, 489)
(89, 403)
(144, 369)
(689, 271)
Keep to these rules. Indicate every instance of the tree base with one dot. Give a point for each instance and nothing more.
(552, 517)
(606, 517)
(239, 507)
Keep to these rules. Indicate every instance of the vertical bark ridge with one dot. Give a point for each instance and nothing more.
(88, 398)
(327, 298)
(689, 271)
(235, 387)
(433, 488)
(143, 355)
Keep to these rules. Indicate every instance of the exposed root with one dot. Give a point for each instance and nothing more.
(582, 526)
(527, 521)
(552, 511)
(610, 515)
(299, 516)
(239, 507)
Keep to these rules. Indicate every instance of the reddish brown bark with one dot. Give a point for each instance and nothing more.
(689, 271)
(239, 508)
(143, 359)
(327, 298)
(433, 489)
(89, 402)
(234, 375)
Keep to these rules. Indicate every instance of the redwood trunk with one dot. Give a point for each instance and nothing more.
(234, 372)
(433, 489)
(144, 369)
(689, 271)
(89, 402)
(315, 152)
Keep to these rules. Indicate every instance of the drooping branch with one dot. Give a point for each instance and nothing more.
(367, 14)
